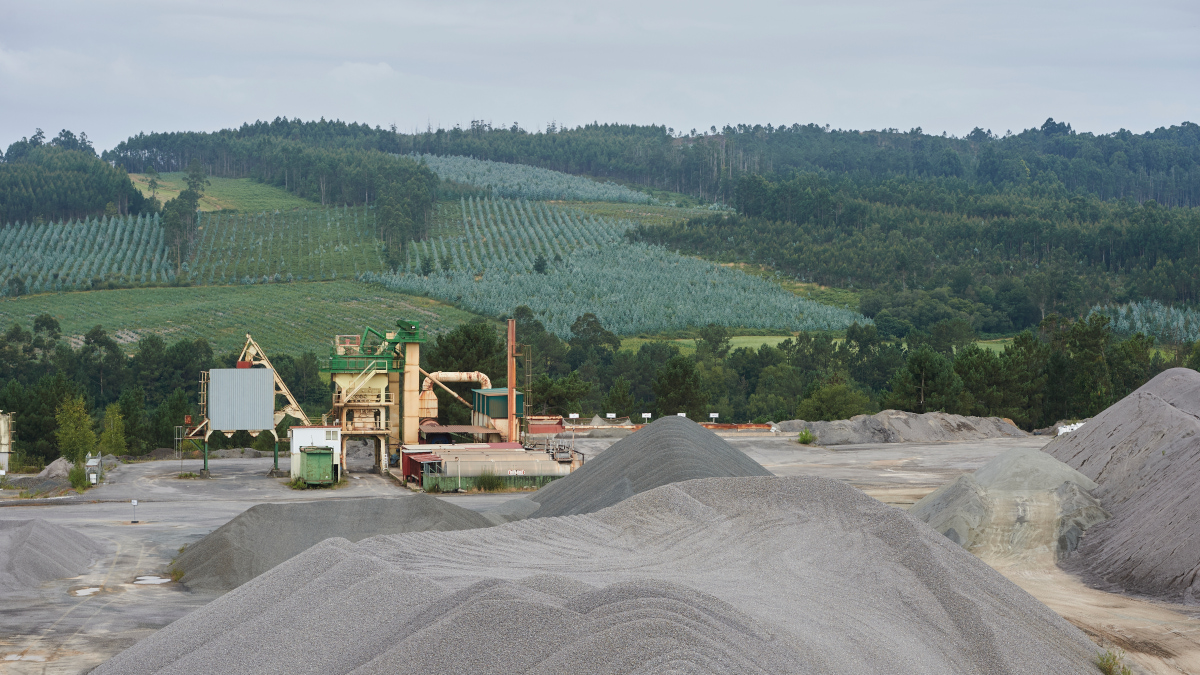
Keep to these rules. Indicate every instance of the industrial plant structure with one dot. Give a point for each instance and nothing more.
(379, 395)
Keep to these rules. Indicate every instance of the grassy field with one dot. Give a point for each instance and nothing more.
(227, 194)
(648, 214)
(282, 317)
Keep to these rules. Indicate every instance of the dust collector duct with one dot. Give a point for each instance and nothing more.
(428, 398)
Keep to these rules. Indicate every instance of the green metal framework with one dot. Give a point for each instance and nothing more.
(381, 356)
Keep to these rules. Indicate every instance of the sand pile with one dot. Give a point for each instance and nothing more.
(897, 426)
(1144, 451)
(33, 552)
(669, 450)
(268, 534)
(721, 575)
(1000, 497)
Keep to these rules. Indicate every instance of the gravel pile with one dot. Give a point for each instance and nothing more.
(970, 507)
(59, 468)
(720, 575)
(268, 534)
(1144, 451)
(669, 450)
(33, 552)
(897, 426)
(39, 486)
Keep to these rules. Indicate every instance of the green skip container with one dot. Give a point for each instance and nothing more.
(318, 465)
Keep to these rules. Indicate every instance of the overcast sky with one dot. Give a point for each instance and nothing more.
(112, 69)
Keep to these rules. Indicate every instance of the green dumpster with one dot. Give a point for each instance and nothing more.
(317, 465)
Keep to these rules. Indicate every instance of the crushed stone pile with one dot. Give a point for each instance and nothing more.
(33, 552)
(718, 575)
(897, 426)
(59, 468)
(39, 486)
(669, 450)
(268, 534)
(1144, 452)
(236, 453)
(968, 508)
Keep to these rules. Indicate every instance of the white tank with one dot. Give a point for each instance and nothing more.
(5, 432)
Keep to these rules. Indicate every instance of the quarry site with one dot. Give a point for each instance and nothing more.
(898, 542)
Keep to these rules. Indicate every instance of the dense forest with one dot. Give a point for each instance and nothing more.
(1163, 165)
(62, 179)
(927, 250)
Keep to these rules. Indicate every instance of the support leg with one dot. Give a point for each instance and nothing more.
(204, 471)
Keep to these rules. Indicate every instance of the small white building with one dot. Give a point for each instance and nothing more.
(320, 436)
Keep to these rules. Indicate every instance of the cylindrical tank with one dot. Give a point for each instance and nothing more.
(5, 432)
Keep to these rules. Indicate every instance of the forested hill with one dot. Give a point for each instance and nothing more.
(61, 179)
(1163, 165)
(936, 249)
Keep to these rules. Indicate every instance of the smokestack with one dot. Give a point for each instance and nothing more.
(512, 379)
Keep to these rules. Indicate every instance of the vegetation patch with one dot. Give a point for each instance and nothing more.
(223, 194)
(284, 318)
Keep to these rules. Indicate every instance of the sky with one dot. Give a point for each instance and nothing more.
(115, 68)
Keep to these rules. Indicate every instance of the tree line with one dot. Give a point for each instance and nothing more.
(924, 251)
(62, 178)
(147, 391)
(1163, 165)
(1060, 369)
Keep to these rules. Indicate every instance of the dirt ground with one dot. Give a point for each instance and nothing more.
(55, 629)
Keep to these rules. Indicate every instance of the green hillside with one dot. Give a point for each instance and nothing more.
(226, 194)
(289, 318)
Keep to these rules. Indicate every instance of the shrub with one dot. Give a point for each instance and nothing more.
(1110, 663)
(489, 482)
(78, 477)
(806, 437)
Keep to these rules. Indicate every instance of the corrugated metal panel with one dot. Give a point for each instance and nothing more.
(241, 398)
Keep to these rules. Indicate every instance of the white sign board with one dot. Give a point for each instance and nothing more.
(645, 416)
(611, 416)
(573, 416)
(714, 415)
(516, 472)
(681, 414)
(135, 502)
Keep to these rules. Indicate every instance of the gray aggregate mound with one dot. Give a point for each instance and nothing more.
(718, 575)
(1144, 452)
(36, 485)
(669, 450)
(33, 552)
(268, 534)
(236, 453)
(1028, 469)
(963, 509)
(608, 433)
(897, 426)
(959, 510)
(59, 468)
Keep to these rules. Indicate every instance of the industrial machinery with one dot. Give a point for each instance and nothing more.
(243, 399)
(366, 371)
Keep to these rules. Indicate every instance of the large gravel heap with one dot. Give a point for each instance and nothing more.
(970, 507)
(897, 426)
(669, 450)
(265, 535)
(719, 575)
(1144, 451)
(33, 552)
